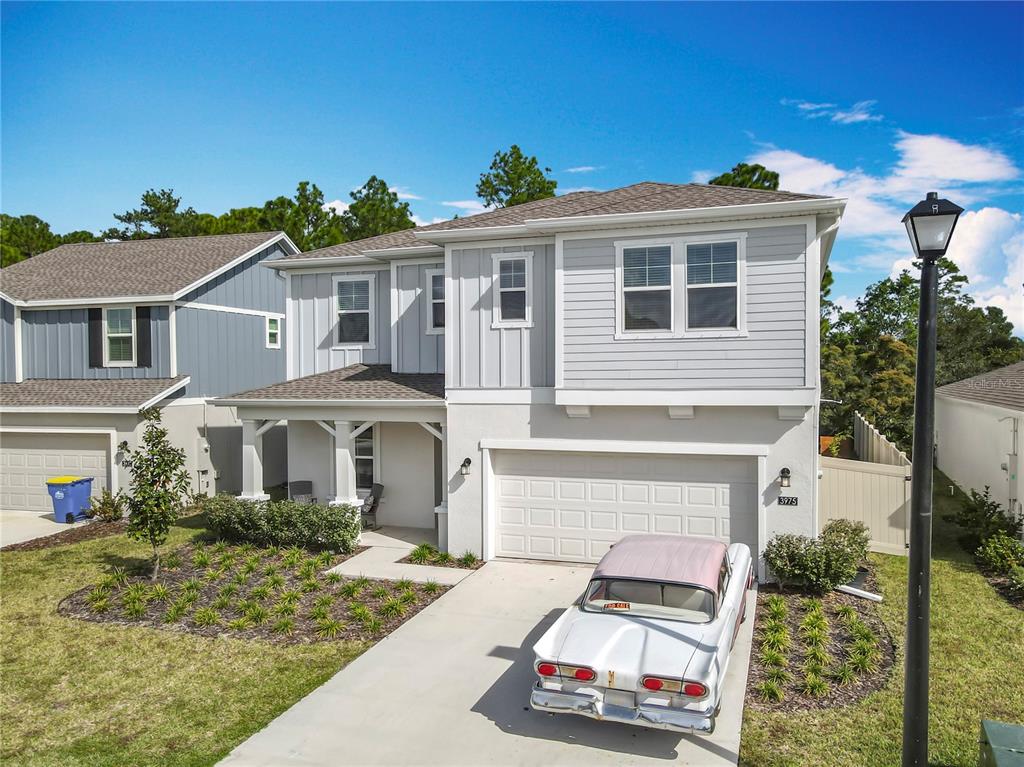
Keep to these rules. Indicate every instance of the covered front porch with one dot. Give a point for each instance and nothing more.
(351, 429)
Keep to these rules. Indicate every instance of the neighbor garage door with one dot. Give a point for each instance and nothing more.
(28, 460)
(572, 506)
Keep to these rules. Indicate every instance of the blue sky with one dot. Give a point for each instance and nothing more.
(233, 104)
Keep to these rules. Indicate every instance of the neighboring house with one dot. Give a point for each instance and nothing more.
(546, 378)
(94, 333)
(979, 424)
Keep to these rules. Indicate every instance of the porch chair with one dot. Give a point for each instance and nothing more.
(301, 491)
(370, 504)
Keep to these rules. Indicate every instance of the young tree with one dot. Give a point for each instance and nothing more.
(513, 179)
(750, 176)
(159, 486)
(375, 209)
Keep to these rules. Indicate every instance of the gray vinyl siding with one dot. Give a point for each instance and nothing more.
(492, 358)
(314, 311)
(772, 354)
(249, 285)
(55, 344)
(7, 364)
(225, 353)
(416, 350)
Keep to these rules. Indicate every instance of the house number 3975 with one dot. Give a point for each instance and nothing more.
(788, 500)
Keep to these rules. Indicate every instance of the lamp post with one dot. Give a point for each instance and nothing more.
(930, 225)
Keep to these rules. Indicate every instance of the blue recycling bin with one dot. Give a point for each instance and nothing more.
(71, 497)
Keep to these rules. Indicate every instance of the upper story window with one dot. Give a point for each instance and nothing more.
(435, 301)
(273, 333)
(356, 310)
(647, 288)
(119, 337)
(512, 290)
(712, 286)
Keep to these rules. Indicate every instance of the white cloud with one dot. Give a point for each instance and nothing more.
(583, 169)
(939, 158)
(571, 189)
(468, 207)
(845, 303)
(337, 206)
(858, 113)
(701, 176)
(1008, 295)
(403, 193)
(424, 222)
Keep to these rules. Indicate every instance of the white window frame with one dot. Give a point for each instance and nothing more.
(371, 279)
(496, 319)
(374, 458)
(133, 362)
(620, 310)
(429, 291)
(740, 331)
(267, 331)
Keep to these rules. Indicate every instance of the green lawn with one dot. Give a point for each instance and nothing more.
(977, 653)
(82, 693)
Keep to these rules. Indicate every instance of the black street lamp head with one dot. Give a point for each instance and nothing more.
(930, 225)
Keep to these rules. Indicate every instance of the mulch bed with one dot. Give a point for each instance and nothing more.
(839, 640)
(227, 583)
(75, 534)
(455, 563)
(1002, 586)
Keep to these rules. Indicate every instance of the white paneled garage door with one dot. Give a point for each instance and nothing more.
(572, 506)
(28, 460)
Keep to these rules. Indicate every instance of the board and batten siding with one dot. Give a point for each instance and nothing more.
(495, 358)
(771, 354)
(225, 353)
(249, 285)
(416, 350)
(314, 312)
(7, 363)
(55, 344)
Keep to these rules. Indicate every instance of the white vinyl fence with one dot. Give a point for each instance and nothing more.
(874, 490)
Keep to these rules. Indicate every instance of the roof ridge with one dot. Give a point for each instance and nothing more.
(164, 239)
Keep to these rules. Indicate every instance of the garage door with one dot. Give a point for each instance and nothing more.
(573, 506)
(28, 460)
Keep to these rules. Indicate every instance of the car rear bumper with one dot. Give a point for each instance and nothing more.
(591, 705)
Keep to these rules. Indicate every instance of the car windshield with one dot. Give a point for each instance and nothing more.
(649, 599)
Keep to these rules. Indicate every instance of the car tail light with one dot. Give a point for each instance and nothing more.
(584, 674)
(677, 686)
(694, 689)
(653, 683)
(547, 669)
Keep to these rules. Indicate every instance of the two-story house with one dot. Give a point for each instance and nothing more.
(547, 378)
(92, 334)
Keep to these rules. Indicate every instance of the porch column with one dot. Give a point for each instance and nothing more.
(252, 461)
(441, 510)
(344, 465)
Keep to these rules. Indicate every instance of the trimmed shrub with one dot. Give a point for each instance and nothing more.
(981, 518)
(1015, 581)
(284, 523)
(108, 507)
(849, 535)
(1000, 553)
(818, 565)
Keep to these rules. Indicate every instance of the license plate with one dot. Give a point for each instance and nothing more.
(620, 698)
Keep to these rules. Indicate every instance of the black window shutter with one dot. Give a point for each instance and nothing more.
(144, 339)
(95, 338)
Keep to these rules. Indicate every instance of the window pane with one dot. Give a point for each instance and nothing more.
(646, 267)
(513, 273)
(634, 277)
(364, 444)
(437, 310)
(698, 264)
(272, 339)
(647, 310)
(437, 287)
(354, 328)
(364, 473)
(119, 320)
(354, 295)
(120, 348)
(634, 258)
(724, 262)
(272, 325)
(711, 307)
(513, 305)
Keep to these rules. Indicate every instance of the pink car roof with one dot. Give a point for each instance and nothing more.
(670, 558)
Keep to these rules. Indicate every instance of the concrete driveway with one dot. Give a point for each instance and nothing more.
(451, 687)
(19, 526)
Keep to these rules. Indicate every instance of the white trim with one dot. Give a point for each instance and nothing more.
(489, 522)
(266, 426)
(762, 514)
(740, 331)
(429, 275)
(172, 337)
(133, 362)
(559, 318)
(371, 280)
(536, 396)
(112, 479)
(519, 242)
(291, 318)
(400, 253)
(325, 264)
(397, 403)
(704, 397)
(325, 426)
(279, 237)
(188, 402)
(19, 354)
(166, 393)
(686, 230)
(125, 410)
(497, 321)
(812, 291)
(431, 430)
(438, 259)
(472, 234)
(395, 311)
(621, 333)
(626, 446)
(267, 331)
(450, 286)
(356, 431)
(228, 309)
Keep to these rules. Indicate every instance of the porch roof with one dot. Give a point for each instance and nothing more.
(355, 383)
(120, 395)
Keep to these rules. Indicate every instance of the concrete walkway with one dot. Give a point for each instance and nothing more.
(452, 686)
(387, 546)
(20, 526)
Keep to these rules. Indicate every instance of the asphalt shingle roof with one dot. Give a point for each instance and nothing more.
(53, 392)
(648, 196)
(360, 382)
(1003, 387)
(154, 267)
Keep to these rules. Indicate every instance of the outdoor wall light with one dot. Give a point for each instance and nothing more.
(784, 475)
(464, 468)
